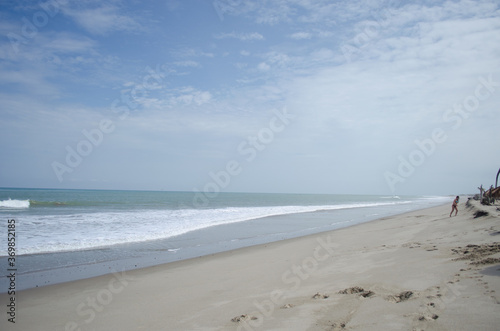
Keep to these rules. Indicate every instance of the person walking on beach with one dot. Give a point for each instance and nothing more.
(454, 206)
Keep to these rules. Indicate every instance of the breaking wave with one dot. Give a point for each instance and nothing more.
(15, 204)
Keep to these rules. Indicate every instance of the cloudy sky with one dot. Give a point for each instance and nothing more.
(299, 96)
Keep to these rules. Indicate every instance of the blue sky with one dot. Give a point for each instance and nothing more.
(299, 96)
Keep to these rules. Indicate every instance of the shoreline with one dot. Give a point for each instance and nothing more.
(45, 269)
(401, 273)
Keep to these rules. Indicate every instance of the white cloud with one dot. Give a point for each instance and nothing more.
(170, 98)
(301, 35)
(263, 66)
(187, 63)
(240, 36)
(29, 81)
(65, 43)
(103, 20)
(323, 54)
(190, 52)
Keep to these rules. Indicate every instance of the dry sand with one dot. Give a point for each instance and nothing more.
(409, 272)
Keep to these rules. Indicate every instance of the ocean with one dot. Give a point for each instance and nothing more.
(62, 235)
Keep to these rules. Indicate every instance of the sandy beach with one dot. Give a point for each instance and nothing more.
(418, 271)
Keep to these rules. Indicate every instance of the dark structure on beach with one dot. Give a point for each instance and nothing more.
(489, 196)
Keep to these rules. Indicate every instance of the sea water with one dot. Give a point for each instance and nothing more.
(62, 232)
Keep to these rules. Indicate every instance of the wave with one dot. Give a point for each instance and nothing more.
(47, 203)
(35, 203)
(80, 231)
(391, 197)
(15, 204)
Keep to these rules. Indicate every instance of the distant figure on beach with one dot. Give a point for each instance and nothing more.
(454, 206)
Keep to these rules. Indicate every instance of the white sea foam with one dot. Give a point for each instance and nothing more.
(67, 232)
(15, 204)
(76, 229)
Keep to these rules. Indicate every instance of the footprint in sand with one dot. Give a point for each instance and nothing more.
(243, 318)
(428, 318)
(367, 294)
(412, 245)
(338, 326)
(352, 290)
(358, 290)
(287, 306)
(403, 296)
(320, 296)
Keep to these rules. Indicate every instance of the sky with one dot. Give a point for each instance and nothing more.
(284, 96)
